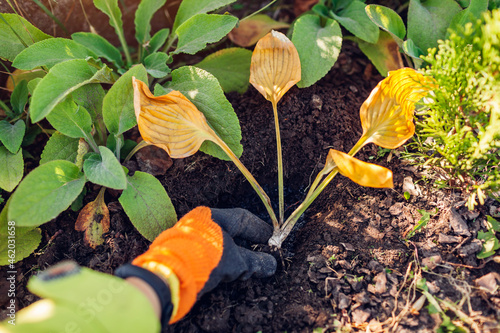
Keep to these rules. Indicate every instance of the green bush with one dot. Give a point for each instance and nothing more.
(459, 126)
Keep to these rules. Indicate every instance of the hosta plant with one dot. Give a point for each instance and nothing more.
(427, 23)
(81, 94)
(176, 125)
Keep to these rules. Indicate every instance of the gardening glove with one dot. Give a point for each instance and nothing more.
(198, 252)
(78, 299)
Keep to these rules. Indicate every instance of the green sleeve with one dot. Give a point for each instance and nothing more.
(78, 299)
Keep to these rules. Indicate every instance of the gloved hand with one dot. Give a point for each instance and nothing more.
(198, 252)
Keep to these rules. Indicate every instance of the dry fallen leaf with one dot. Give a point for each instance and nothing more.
(275, 66)
(254, 28)
(362, 173)
(170, 122)
(302, 6)
(94, 220)
(387, 114)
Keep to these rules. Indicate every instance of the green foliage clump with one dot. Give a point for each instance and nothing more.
(459, 127)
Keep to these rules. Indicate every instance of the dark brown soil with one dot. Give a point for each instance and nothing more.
(349, 265)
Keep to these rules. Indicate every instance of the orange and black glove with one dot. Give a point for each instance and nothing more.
(198, 253)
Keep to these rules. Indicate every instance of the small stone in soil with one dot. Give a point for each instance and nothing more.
(458, 224)
(474, 247)
(153, 160)
(360, 315)
(489, 282)
(344, 301)
(432, 261)
(396, 209)
(448, 239)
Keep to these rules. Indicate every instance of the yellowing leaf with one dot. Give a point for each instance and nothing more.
(252, 29)
(362, 173)
(18, 75)
(94, 220)
(275, 66)
(170, 122)
(387, 114)
(384, 54)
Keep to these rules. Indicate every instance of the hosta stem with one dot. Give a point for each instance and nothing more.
(258, 189)
(139, 146)
(280, 165)
(121, 37)
(315, 190)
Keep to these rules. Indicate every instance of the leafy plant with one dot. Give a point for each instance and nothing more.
(422, 223)
(83, 88)
(458, 126)
(428, 22)
(175, 124)
(491, 242)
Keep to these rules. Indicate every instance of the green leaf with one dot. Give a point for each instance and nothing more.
(231, 67)
(203, 89)
(201, 29)
(189, 8)
(470, 14)
(60, 147)
(11, 169)
(104, 169)
(90, 96)
(111, 9)
(384, 55)
(407, 195)
(147, 205)
(318, 47)
(157, 40)
(26, 240)
(428, 21)
(160, 90)
(12, 135)
(16, 34)
(143, 16)
(99, 45)
(388, 20)
(32, 84)
(413, 51)
(50, 52)
(63, 79)
(19, 97)
(156, 64)
(45, 192)
(355, 19)
(118, 104)
(490, 244)
(71, 120)
(493, 224)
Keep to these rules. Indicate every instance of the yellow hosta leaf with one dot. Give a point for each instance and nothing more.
(275, 66)
(362, 173)
(94, 220)
(387, 114)
(170, 122)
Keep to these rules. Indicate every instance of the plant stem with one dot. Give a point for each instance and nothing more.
(170, 43)
(315, 190)
(139, 146)
(90, 140)
(258, 189)
(121, 37)
(258, 11)
(280, 165)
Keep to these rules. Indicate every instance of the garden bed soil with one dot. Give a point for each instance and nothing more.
(348, 265)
